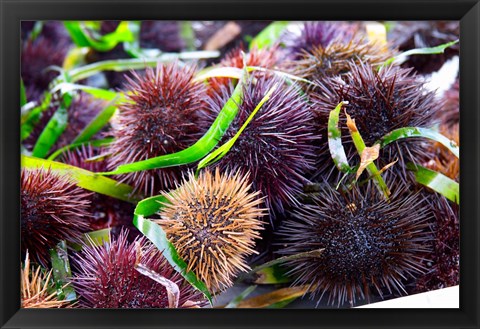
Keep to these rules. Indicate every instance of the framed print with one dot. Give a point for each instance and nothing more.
(239, 164)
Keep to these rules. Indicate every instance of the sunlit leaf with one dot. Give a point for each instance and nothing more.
(108, 95)
(96, 143)
(269, 35)
(436, 181)
(82, 38)
(415, 132)
(83, 178)
(198, 150)
(440, 49)
(97, 238)
(222, 150)
(52, 131)
(120, 65)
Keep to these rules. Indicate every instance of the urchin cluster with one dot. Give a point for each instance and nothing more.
(337, 59)
(369, 245)
(107, 277)
(276, 146)
(379, 102)
(164, 114)
(213, 222)
(315, 35)
(52, 209)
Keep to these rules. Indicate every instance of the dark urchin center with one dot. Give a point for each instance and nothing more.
(355, 245)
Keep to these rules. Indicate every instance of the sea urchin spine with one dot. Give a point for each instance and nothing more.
(52, 209)
(368, 243)
(213, 223)
(107, 277)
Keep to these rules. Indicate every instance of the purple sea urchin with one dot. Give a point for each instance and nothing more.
(105, 211)
(379, 101)
(368, 243)
(213, 222)
(36, 57)
(316, 35)
(107, 277)
(276, 146)
(444, 266)
(337, 59)
(165, 115)
(52, 209)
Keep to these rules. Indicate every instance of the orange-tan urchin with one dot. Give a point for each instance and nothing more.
(213, 222)
(35, 285)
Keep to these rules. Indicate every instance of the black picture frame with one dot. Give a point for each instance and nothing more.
(13, 11)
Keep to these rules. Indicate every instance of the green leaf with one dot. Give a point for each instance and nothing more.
(97, 238)
(222, 150)
(371, 168)
(108, 95)
(411, 132)
(335, 141)
(97, 123)
(98, 142)
(198, 150)
(62, 272)
(157, 236)
(30, 117)
(188, 34)
(244, 294)
(218, 72)
(436, 181)
(269, 35)
(83, 178)
(81, 37)
(23, 94)
(120, 65)
(440, 49)
(50, 134)
(75, 57)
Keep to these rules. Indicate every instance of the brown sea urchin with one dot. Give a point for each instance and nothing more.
(276, 146)
(213, 222)
(37, 286)
(164, 115)
(52, 209)
(368, 243)
(379, 102)
(107, 277)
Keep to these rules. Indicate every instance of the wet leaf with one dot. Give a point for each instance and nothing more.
(234, 302)
(84, 178)
(436, 181)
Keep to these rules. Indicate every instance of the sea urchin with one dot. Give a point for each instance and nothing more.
(213, 223)
(52, 209)
(367, 243)
(108, 278)
(163, 116)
